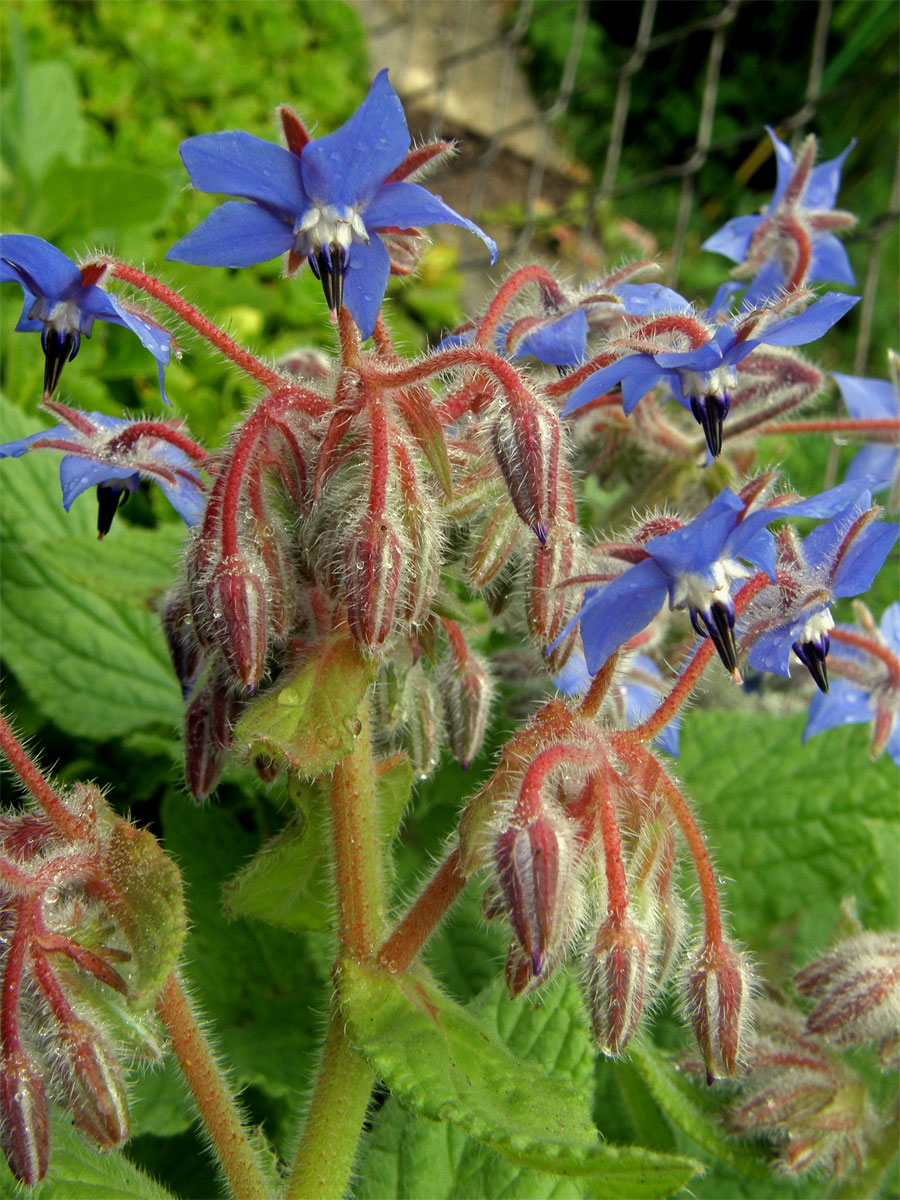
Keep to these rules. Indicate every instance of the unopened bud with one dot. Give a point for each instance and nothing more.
(237, 607)
(466, 689)
(24, 1131)
(549, 607)
(526, 441)
(373, 567)
(184, 648)
(208, 732)
(535, 864)
(494, 547)
(519, 972)
(615, 975)
(94, 1087)
(717, 986)
(425, 724)
(858, 989)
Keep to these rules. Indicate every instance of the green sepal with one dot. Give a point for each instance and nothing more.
(310, 720)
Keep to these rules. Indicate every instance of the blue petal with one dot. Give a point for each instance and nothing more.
(877, 466)
(39, 267)
(77, 474)
(562, 343)
(829, 262)
(619, 610)
(824, 181)
(23, 445)
(844, 704)
(238, 164)
(346, 168)
(733, 239)
(234, 235)
(602, 381)
(811, 324)
(698, 545)
(772, 650)
(864, 559)
(365, 282)
(890, 626)
(642, 375)
(765, 286)
(407, 204)
(702, 358)
(188, 499)
(868, 397)
(723, 292)
(784, 164)
(646, 299)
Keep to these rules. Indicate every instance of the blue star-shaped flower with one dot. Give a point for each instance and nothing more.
(703, 377)
(839, 559)
(694, 568)
(327, 203)
(113, 455)
(801, 207)
(872, 691)
(62, 302)
(873, 399)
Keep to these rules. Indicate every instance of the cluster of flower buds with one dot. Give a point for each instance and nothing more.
(82, 959)
(576, 832)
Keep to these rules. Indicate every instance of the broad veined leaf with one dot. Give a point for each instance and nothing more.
(448, 1065)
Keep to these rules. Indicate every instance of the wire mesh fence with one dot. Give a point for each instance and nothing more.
(515, 80)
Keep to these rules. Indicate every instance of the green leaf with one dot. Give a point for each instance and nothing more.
(794, 828)
(392, 790)
(44, 119)
(310, 720)
(442, 1061)
(287, 882)
(79, 1172)
(108, 197)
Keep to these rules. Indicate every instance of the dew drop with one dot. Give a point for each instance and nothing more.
(353, 725)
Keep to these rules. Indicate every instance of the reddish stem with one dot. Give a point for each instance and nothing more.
(518, 280)
(568, 383)
(68, 825)
(870, 646)
(156, 429)
(617, 887)
(886, 425)
(596, 693)
(458, 356)
(407, 940)
(528, 802)
(191, 316)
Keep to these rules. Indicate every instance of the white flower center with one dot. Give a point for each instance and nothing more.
(64, 316)
(698, 590)
(323, 225)
(816, 627)
(720, 382)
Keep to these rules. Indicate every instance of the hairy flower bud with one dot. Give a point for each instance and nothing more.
(526, 442)
(716, 993)
(373, 568)
(858, 989)
(24, 1132)
(615, 977)
(467, 691)
(424, 722)
(535, 862)
(93, 1085)
(492, 551)
(237, 607)
(208, 731)
(184, 649)
(549, 607)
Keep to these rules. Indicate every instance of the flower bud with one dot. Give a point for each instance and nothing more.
(858, 989)
(237, 606)
(519, 972)
(494, 546)
(467, 691)
(24, 1132)
(373, 568)
(535, 863)
(93, 1085)
(184, 649)
(716, 990)
(526, 443)
(549, 607)
(615, 976)
(208, 733)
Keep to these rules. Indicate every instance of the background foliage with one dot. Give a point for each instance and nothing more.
(97, 97)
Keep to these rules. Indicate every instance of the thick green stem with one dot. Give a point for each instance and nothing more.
(340, 1097)
(230, 1141)
(334, 1121)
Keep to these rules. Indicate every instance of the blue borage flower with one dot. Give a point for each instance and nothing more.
(838, 559)
(867, 400)
(62, 301)
(871, 690)
(694, 567)
(328, 203)
(703, 377)
(801, 207)
(113, 455)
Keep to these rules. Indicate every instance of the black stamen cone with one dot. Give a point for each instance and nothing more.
(58, 351)
(330, 263)
(710, 412)
(109, 499)
(813, 657)
(722, 634)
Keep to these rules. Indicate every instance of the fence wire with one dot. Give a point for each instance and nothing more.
(458, 64)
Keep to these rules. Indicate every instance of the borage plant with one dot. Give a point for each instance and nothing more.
(364, 553)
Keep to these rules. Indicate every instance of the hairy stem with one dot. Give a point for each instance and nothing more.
(65, 821)
(230, 1140)
(405, 943)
